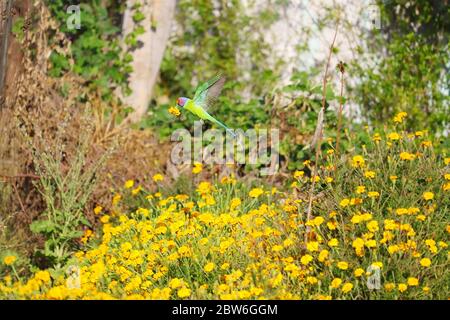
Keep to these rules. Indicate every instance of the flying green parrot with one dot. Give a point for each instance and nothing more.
(205, 96)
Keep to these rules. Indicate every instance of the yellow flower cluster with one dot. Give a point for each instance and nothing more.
(224, 241)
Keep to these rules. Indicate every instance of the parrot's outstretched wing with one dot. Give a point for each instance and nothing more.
(207, 93)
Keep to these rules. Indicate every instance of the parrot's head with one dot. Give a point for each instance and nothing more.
(181, 101)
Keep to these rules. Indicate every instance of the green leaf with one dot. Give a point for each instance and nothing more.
(42, 226)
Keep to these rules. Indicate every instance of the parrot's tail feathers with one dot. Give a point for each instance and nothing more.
(230, 131)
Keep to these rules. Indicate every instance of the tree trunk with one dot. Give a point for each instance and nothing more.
(147, 56)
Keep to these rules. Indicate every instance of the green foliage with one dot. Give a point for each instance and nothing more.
(220, 39)
(410, 55)
(95, 47)
(65, 192)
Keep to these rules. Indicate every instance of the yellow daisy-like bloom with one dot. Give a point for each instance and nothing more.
(402, 287)
(255, 192)
(198, 167)
(306, 259)
(336, 283)
(412, 282)
(209, 267)
(347, 287)
(425, 262)
(428, 195)
(407, 156)
(358, 161)
(393, 136)
(369, 174)
(389, 286)
(158, 177)
(174, 111)
(342, 265)
(129, 184)
(344, 203)
(184, 292)
(360, 189)
(359, 272)
(98, 209)
(9, 260)
(299, 174)
(376, 137)
(373, 194)
(400, 116)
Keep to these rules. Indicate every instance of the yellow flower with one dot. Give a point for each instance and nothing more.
(347, 287)
(447, 161)
(377, 264)
(175, 283)
(209, 267)
(425, 262)
(255, 192)
(9, 260)
(371, 243)
(393, 248)
(317, 221)
(311, 280)
(342, 265)
(376, 137)
(312, 246)
(407, 156)
(358, 161)
(427, 143)
(306, 259)
(393, 178)
(198, 167)
(399, 117)
(336, 283)
(98, 209)
(128, 184)
(344, 203)
(389, 286)
(43, 276)
(184, 293)
(402, 287)
(158, 177)
(323, 255)
(372, 226)
(225, 266)
(136, 190)
(299, 174)
(369, 174)
(393, 136)
(446, 186)
(174, 111)
(333, 242)
(428, 195)
(373, 194)
(360, 189)
(359, 272)
(104, 219)
(413, 281)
